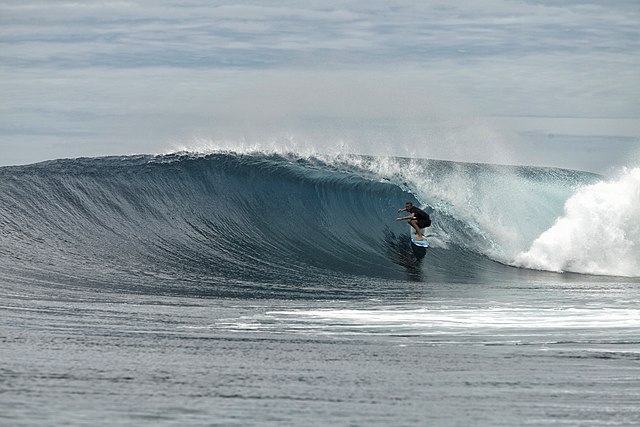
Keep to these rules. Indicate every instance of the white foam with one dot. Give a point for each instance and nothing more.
(599, 232)
(433, 320)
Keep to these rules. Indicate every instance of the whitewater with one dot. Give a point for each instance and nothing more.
(264, 288)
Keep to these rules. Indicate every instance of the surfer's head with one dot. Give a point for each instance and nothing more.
(409, 205)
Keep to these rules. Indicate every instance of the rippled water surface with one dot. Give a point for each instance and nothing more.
(565, 353)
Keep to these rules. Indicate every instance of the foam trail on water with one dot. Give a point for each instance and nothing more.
(434, 320)
(599, 232)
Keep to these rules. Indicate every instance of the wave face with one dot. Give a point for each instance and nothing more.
(269, 225)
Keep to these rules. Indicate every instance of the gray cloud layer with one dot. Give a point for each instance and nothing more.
(96, 77)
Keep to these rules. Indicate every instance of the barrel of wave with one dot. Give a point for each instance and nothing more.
(599, 232)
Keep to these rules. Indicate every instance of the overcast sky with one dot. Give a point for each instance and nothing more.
(539, 82)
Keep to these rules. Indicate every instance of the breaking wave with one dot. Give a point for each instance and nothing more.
(599, 232)
(261, 224)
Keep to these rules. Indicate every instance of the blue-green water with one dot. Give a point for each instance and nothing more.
(271, 290)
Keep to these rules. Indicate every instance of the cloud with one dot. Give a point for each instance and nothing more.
(135, 74)
(356, 33)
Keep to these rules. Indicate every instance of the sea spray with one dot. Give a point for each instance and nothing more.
(599, 232)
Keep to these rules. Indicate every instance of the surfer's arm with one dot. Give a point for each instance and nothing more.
(405, 218)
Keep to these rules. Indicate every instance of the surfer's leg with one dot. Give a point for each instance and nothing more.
(414, 224)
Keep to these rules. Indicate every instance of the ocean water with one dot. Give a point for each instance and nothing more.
(277, 289)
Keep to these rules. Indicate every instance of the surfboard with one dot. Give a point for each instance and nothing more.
(422, 243)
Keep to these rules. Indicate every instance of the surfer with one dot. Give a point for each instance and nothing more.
(418, 219)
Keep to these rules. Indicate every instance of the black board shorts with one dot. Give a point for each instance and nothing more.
(423, 223)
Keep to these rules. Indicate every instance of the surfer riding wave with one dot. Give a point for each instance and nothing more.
(418, 218)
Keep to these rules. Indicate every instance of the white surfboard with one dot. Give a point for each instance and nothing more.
(414, 239)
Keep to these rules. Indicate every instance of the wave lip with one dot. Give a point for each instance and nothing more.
(599, 232)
